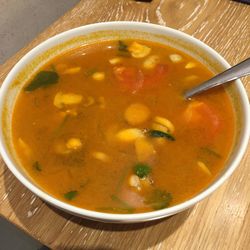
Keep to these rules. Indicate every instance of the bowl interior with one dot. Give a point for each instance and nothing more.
(92, 34)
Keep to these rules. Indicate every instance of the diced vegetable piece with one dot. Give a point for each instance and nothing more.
(175, 58)
(142, 170)
(129, 135)
(102, 102)
(157, 133)
(166, 123)
(42, 79)
(130, 78)
(204, 168)
(136, 113)
(122, 46)
(158, 199)
(72, 71)
(25, 147)
(132, 197)
(134, 181)
(61, 99)
(190, 65)
(200, 115)
(144, 149)
(115, 60)
(37, 166)
(101, 156)
(191, 113)
(74, 144)
(90, 101)
(157, 126)
(155, 76)
(138, 50)
(151, 61)
(70, 195)
(98, 76)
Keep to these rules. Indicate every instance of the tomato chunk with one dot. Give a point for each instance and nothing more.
(201, 115)
(134, 79)
(130, 78)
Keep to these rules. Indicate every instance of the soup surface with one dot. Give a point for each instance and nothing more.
(105, 127)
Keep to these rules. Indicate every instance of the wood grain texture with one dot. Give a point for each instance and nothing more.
(221, 221)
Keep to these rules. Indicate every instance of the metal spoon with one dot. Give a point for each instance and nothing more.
(233, 73)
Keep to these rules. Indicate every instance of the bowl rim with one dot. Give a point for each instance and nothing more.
(123, 218)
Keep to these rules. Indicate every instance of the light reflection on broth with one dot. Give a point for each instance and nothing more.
(104, 127)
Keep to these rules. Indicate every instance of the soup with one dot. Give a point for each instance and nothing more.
(105, 127)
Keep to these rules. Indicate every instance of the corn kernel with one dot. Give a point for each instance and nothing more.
(98, 76)
(190, 65)
(115, 60)
(151, 62)
(129, 135)
(175, 58)
(61, 99)
(204, 168)
(101, 156)
(74, 143)
(71, 71)
(138, 50)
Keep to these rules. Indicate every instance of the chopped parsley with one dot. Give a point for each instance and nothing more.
(142, 170)
(70, 195)
(42, 79)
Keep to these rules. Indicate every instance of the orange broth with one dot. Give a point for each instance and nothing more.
(111, 132)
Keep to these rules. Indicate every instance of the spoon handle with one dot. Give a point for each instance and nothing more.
(233, 73)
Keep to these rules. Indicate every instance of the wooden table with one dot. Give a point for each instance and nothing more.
(219, 222)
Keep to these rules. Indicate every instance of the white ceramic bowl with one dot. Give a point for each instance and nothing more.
(110, 31)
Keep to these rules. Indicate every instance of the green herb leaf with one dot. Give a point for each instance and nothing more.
(70, 195)
(210, 151)
(59, 129)
(158, 133)
(122, 46)
(36, 165)
(142, 170)
(158, 199)
(42, 79)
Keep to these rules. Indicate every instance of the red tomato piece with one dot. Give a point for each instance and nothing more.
(201, 115)
(130, 78)
(156, 76)
(132, 198)
(133, 79)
